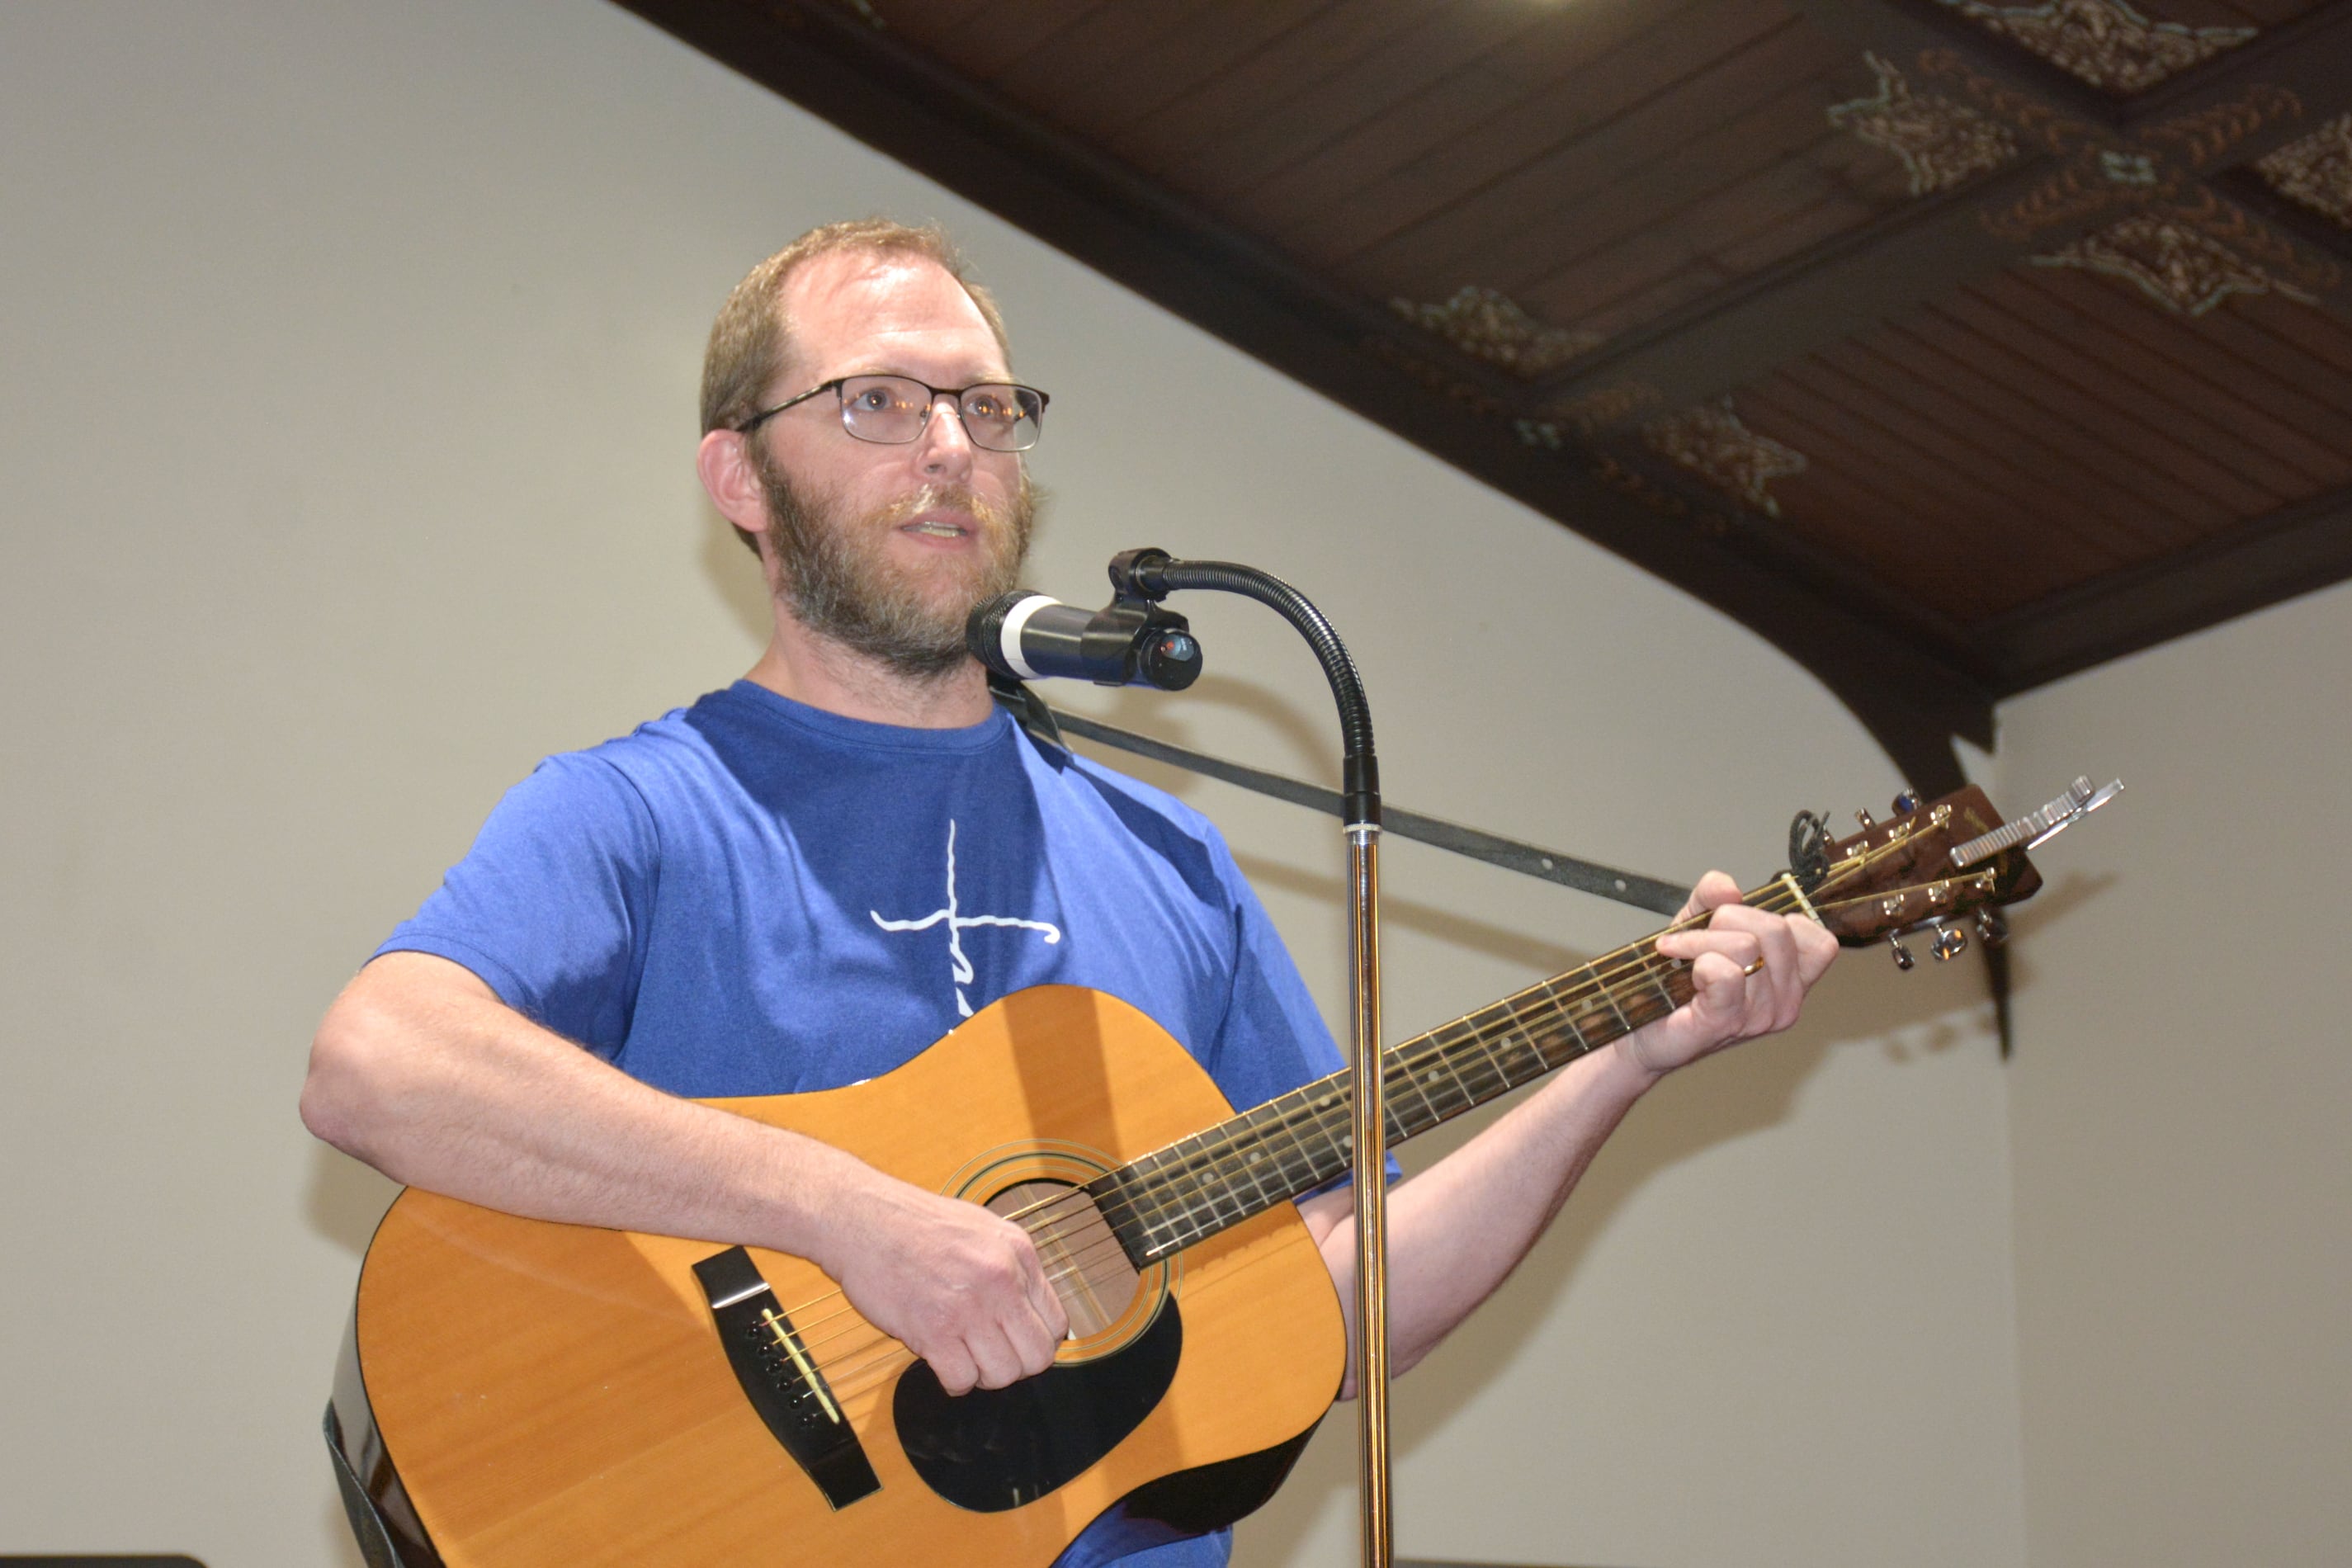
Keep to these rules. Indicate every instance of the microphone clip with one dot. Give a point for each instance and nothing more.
(1136, 575)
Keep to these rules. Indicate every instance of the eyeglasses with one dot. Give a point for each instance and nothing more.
(893, 409)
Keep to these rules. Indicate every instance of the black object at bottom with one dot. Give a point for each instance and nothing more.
(1211, 1497)
(996, 1448)
(368, 1526)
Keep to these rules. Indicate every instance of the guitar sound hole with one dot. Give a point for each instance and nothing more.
(1082, 1259)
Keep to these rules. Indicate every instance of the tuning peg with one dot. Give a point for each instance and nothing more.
(1867, 821)
(1906, 801)
(1993, 927)
(1903, 958)
(1950, 943)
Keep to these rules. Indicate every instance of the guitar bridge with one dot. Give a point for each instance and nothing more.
(781, 1380)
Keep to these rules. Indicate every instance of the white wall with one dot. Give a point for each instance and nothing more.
(348, 361)
(2179, 1105)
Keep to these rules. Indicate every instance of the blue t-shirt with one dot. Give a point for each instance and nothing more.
(751, 896)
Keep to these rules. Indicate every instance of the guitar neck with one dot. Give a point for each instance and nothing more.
(1289, 1146)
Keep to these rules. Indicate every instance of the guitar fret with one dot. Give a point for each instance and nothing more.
(1228, 1163)
(1495, 1059)
(1261, 1156)
(1334, 1158)
(1530, 1057)
(1524, 1033)
(1583, 1046)
(1538, 1060)
(1608, 994)
(1173, 1202)
(1399, 1072)
(1658, 982)
(1561, 1011)
(1155, 1231)
(1492, 1077)
(1252, 1159)
(1449, 1059)
(1297, 1180)
(1202, 1197)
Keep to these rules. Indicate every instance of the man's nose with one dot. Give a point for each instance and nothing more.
(947, 449)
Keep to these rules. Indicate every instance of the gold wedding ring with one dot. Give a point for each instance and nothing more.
(1755, 968)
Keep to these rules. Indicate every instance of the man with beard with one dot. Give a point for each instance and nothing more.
(801, 881)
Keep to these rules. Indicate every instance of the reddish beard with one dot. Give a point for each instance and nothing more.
(835, 576)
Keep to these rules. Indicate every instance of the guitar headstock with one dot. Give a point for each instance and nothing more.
(1925, 868)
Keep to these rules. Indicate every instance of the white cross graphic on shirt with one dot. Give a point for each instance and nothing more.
(957, 964)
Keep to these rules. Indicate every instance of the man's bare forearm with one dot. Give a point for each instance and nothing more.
(1457, 1230)
(420, 1070)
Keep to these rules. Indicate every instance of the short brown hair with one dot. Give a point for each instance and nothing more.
(750, 340)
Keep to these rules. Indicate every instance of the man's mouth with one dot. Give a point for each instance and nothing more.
(932, 529)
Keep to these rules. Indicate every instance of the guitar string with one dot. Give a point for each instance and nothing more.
(847, 1380)
(1415, 1063)
(1603, 976)
(1405, 1062)
(844, 1375)
(1599, 978)
(1435, 1047)
(1399, 1062)
(1482, 1029)
(1635, 962)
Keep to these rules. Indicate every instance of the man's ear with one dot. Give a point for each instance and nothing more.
(730, 479)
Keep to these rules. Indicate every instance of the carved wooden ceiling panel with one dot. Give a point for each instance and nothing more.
(1801, 304)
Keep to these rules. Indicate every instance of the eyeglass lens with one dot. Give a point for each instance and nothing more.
(892, 409)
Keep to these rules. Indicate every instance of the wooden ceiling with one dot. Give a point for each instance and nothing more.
(1952, 347)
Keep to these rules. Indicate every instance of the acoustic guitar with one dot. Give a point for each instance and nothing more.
(519, 1393)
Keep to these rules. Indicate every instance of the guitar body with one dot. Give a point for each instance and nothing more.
(531, 1394)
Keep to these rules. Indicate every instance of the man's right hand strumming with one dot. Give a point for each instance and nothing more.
(961, 1286)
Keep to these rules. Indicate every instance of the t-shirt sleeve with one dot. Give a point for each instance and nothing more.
(1274, 1038)
(551, 905)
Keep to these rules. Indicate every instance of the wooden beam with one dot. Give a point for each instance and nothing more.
(910, 107)
(1837, 289)
(2291, 551)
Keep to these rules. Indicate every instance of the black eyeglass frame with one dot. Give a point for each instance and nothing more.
(957, 393)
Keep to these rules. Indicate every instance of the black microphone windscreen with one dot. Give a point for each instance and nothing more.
(983, 630)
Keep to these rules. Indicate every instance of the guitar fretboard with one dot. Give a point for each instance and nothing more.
(1289, 1146)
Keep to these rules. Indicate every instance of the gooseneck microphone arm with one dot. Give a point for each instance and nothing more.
(1152, 574)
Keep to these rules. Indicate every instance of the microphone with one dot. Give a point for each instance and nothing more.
(1130, 642)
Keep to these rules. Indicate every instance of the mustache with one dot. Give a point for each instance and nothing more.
(946, 498)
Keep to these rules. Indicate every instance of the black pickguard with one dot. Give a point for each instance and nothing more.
(997, 1449)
